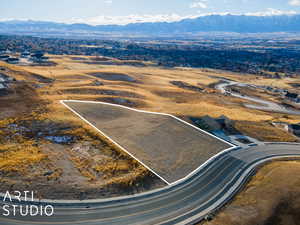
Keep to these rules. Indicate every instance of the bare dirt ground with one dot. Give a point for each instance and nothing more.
(113, 77)
(169, 147)
(271, 198)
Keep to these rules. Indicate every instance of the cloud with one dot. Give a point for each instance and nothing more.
(294, 2)
(272, 12)
(199, 5)
(123, 20)
(136, 18)
(108, 2)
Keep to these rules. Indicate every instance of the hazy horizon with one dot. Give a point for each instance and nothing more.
(102, 12)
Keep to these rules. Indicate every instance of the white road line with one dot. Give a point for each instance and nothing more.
(118, 145)
(157, 113)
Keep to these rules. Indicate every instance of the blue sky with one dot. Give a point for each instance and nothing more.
(125, 11)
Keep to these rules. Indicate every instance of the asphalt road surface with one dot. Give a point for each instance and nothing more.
(186, 202)
(263, 105)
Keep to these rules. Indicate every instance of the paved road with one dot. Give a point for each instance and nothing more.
(264, 105)
(184, 203)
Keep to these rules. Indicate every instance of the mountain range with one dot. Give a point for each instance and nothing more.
(212, 23)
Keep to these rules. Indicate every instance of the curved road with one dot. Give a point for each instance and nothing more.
(186, 202)
(264, 105)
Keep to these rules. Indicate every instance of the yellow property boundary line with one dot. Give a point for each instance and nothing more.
(157, 113)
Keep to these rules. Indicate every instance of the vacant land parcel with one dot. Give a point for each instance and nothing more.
(171, 148)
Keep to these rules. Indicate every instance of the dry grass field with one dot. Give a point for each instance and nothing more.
(151, 88)
(272, 197)
(153, 91)
(31, 115)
